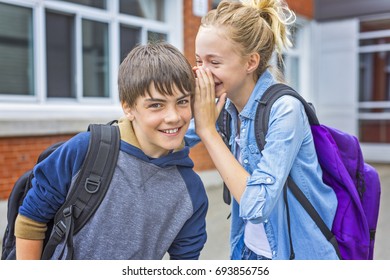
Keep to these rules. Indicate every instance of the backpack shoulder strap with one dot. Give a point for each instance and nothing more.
(263, 111)
(223, 123)
(89, 189)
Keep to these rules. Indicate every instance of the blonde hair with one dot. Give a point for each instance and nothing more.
(256, 26)
(159, 64)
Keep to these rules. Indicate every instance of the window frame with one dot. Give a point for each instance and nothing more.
(371, 49)
(39, 108)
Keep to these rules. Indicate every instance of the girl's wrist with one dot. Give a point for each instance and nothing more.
(208, 134)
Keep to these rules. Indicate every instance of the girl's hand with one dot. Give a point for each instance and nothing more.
(206, 110)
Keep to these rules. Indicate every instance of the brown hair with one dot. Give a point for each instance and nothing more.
(157, 63)
(256, 26)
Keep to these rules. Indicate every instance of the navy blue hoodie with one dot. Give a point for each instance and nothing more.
(153, 205)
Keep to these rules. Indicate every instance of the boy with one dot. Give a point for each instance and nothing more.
(155, 203)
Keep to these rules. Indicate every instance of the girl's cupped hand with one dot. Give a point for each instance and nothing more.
(206, 108)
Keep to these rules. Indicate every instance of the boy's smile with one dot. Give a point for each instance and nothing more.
(160, 121)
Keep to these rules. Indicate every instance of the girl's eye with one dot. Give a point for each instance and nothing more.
(198, 63)
(214, 62)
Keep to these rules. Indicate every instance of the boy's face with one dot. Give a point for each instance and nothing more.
(160, 121)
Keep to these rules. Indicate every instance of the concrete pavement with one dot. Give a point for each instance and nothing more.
(217, 246)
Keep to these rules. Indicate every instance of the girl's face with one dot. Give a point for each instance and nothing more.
(230, 69)
(160, 122)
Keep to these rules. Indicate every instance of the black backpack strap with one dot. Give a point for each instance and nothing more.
(263, 111)
(300, 196)
(292, 253)
(223, 123)
(89, 189)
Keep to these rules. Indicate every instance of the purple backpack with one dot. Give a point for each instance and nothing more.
(355, 182)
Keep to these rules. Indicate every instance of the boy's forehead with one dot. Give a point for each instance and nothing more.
(155, 93)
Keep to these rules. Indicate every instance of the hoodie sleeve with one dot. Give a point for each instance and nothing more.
(52, 179)
(191, 138)
(192, 237)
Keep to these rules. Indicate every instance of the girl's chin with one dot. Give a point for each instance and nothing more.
(219, 90)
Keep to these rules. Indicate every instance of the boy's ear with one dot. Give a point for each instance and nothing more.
(253, 62)
(128, 111)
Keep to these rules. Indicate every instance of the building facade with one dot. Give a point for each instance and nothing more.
(351, 62)
(59, 61)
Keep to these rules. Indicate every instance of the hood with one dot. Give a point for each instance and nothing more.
(130, 145)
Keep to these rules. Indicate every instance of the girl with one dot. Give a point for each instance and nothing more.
(234, 46)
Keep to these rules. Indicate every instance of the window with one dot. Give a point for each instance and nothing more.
(374, 81)
(156, 36)
(296, 66)
(16, 51)
(91, 3)
(60, 55)
(149, 9)
(293, 58)
(214, 3)
(129, 37)
(79, 55)
(95, 59)
(59, 59)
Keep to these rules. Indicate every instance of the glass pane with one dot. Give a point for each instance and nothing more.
(374, 77)
(374, 131)
(214, 4)
(155, 36)
(60, 58)
(91, 3)
(95, 59)
(16, 51)
(295, 36)
(130, 37)
(149, 9)
(375, 41)
(375, 25)
(292, 72)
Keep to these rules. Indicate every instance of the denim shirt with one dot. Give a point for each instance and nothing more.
(290, 150)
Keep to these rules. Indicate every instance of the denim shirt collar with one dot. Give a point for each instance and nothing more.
(249, 111)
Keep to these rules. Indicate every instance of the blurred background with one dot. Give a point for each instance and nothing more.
(59, 61)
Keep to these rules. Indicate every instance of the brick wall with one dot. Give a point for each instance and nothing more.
(19, 154)
(302, 7)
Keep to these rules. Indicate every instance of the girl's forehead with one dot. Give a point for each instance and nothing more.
(214, 39)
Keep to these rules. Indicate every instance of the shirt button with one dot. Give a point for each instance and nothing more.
(268, 180)
(245, 161)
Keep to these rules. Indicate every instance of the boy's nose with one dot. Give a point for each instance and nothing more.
(172, 116)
